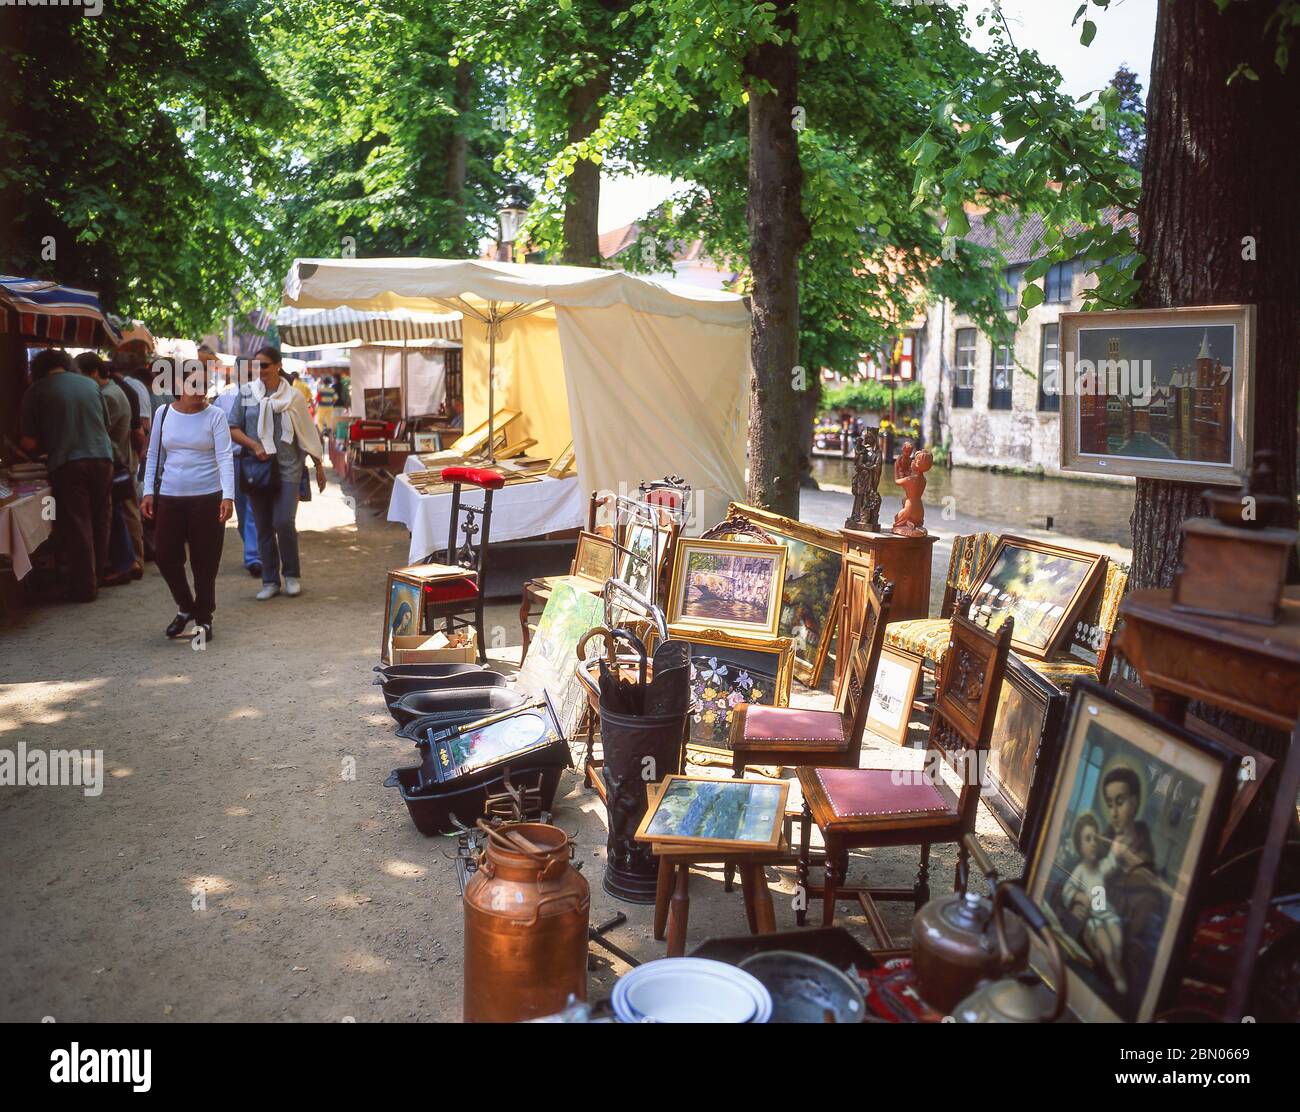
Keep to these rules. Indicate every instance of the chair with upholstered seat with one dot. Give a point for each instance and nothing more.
(792, 736)
(928, 637)
(859, 808)
(457, 588)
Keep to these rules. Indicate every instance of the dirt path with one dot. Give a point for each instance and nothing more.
(231, 869)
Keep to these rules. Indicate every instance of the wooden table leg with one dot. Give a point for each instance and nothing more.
(755, 882)
(830, 884)
(678, 911)
(747, 894)
(663, 894)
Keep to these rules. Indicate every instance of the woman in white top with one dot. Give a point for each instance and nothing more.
(189, 483)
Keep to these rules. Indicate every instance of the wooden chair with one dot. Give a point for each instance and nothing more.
(928, 638)
(859, 808)
(458, 588)
(793, 736)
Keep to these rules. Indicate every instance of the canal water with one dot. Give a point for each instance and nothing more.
(1098, 511)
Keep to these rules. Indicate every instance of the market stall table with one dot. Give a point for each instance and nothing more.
(519, 510)
(24, 527)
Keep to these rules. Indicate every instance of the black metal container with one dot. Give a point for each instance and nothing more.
(455, 702)
(399, 686)
(635, 747)
(466, 801)
(436, 671)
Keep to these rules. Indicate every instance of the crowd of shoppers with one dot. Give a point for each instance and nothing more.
(149, 459)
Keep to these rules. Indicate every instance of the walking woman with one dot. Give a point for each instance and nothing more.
(189, 482)
(274, 427)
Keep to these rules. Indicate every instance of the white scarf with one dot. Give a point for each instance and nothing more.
(295, 420)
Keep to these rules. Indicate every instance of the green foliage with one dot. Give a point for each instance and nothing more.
(869, 396)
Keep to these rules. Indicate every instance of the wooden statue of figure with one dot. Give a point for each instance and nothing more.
(909, 473)
(868, 461)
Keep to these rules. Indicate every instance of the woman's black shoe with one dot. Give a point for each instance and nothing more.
(178, 625)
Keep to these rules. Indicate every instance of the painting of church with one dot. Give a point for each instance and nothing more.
(1187, 412)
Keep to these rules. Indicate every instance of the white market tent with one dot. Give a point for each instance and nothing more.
(644, 378)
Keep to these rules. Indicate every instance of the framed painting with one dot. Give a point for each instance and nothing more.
(726, 669)
(1042, 587)
(721, 814)
(564, 464)
(812, 579)
(1023, 750)
(1158, 393)
(496, 739)
(550, 667)
(898, 675)
(383, 405)
(594, 558)
(727, 585)
(641, 559)
(1131, 827)
(403, 610)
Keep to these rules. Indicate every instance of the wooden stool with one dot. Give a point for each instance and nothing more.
(673, 901)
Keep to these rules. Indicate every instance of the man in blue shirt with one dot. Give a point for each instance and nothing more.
(227, 398)
(63, 414)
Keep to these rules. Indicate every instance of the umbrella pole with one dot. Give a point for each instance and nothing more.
(492, 369)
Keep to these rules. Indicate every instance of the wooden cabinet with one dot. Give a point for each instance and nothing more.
(904, 561)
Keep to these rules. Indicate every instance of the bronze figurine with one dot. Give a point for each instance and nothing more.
(868, 461)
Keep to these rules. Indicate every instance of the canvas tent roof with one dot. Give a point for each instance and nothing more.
(307, 329)
(645, 378)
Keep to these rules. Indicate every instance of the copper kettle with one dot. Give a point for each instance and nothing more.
(954, 942)
(1019, 996)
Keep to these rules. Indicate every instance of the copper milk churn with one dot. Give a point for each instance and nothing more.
(526, 915)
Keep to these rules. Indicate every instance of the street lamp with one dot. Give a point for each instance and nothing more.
(510, 218)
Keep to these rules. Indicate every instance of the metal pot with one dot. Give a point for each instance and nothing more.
(955, 948)
(526, 915)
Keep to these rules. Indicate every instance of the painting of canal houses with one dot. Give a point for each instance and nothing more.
(1162, 394)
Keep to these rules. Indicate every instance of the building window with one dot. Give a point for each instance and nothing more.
(963, 389)
(1009, 293)
(1060, 282)
(1004, 361)
(1049, 370)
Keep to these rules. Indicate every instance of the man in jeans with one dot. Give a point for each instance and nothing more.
(228, 397)
(63, 414)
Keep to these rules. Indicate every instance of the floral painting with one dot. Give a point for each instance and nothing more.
(722, 678)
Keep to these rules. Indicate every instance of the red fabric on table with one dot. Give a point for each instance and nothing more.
(866, 792)
(793, 725)
(475, 476)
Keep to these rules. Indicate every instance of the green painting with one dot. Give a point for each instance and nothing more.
(717, 811)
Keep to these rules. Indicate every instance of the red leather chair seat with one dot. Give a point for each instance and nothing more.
(877, 792)
(793, 726)
(455, 589)
(476, 476)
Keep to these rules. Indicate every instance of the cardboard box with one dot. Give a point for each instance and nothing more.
(421, 648)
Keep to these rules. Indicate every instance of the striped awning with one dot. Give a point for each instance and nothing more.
(320, 328)
(44, 312)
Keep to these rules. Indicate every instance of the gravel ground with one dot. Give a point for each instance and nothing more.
(234, 867)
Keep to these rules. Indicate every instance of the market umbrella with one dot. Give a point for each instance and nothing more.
(46, 314)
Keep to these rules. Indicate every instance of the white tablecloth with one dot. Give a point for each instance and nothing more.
(23, 529)
(518, 511)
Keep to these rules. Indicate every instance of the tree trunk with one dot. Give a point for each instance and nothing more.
(582, 191)
(457, 158)
(1221, 164)
(777, 234)
(1201, 195)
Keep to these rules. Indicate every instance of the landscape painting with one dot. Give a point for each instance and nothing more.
(738, 812)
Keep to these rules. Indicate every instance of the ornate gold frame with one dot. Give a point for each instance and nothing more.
(807, 671)
(740, 548)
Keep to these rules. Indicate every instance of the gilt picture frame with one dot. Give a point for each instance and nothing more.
(809, 597)
(720, 584)
(716, 814)
(1042, 587)
(403, 610)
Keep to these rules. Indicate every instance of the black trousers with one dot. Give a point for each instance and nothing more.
(82, 514)
(191, 520)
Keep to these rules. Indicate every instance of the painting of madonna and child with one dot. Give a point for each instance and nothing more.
(1134, 811)
(727, 585)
